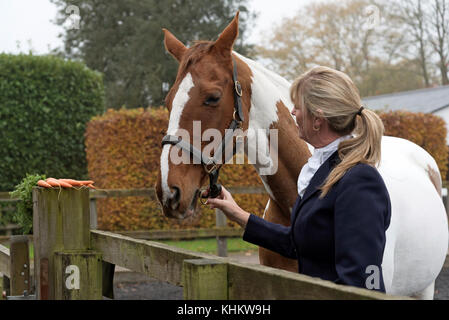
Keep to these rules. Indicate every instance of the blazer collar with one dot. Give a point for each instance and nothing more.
(319, 178)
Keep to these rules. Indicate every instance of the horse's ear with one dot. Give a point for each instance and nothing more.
(227, 38)
(175, 47)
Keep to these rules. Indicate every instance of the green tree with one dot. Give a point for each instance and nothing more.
(124, 40)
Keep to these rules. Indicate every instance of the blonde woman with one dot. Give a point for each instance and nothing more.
(343, 209)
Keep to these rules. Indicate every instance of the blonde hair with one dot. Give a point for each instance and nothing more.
(335, 95)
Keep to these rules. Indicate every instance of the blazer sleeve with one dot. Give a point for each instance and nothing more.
(362, 215)
(271, 236)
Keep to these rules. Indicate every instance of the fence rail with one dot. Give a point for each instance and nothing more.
(151, 193)
(237, 281)
(220, 232)
(183, 234)
(6, 197)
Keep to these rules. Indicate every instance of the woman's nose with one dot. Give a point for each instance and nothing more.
(293, 112)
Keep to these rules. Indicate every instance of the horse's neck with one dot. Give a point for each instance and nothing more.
(270, 113)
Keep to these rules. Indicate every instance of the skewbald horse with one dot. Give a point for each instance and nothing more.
(417, 238)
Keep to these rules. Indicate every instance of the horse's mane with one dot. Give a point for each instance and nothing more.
(193, 55)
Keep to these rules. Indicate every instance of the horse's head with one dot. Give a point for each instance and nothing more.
(201, 99)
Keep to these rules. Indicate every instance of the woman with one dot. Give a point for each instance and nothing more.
(338, 223)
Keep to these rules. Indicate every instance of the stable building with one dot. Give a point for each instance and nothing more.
(430, 100)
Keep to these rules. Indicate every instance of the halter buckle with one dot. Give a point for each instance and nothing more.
(210, 170)
(238, 88)
(239, 122)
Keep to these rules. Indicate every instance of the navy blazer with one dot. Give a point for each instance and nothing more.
(337, 237)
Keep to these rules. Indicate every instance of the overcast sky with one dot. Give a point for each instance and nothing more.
(26, 24)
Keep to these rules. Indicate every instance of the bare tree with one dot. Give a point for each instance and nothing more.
(412, 15)
(439, 35)
(340, 35)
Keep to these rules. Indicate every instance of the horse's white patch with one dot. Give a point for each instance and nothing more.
(264, 78)
(266, 209)
(268, 89)
(417, 238)
(267, 187)
(179, 102)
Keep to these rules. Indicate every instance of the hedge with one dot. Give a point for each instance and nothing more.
(45, 103)
(123, 152)
(426, 130)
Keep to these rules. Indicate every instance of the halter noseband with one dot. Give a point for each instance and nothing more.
(210, 164)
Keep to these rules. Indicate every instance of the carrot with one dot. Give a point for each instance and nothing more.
(74, 183)
(64, 184)
(86, 183)
(42, 183)
(53, 182)
(57, 183)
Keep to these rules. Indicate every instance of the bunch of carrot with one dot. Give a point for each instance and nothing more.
(64, 183)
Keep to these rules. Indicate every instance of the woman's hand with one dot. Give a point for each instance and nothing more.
(230, 208)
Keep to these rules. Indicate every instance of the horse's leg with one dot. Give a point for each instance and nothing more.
(427, 293)
(269, 258)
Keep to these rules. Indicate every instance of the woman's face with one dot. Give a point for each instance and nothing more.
(304, 122)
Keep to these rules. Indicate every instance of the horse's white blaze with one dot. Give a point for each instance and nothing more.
(179, 102)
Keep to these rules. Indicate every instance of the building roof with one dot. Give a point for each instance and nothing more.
(428, 100)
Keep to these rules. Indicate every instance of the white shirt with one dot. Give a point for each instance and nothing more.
(315, 161)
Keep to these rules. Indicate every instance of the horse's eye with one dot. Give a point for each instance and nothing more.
(212, 100)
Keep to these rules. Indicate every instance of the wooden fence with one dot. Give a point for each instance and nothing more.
(221, 232)
(71, 261)
(15, 267)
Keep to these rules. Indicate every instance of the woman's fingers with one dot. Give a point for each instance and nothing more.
(225, 192)
(205, 194)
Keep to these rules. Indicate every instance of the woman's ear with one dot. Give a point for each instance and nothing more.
(317, 123)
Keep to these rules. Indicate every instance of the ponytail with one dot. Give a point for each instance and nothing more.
(331, 94)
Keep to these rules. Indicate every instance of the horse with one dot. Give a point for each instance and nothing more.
(205, 91)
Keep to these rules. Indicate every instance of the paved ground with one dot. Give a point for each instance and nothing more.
(442, 283)
(131, 286)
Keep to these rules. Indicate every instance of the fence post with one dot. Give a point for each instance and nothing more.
(222, 242)
(93, 214)
(108, 269)
(205, 279)
(20, 265)
(65, 267)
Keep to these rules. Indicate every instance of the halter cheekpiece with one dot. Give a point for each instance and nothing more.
(211, 164)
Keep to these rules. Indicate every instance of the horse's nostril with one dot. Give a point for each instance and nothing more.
(175, 197)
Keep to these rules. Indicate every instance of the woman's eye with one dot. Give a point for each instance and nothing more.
(212, 100)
